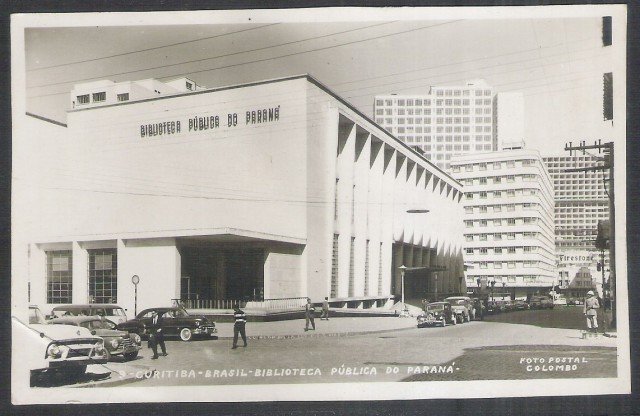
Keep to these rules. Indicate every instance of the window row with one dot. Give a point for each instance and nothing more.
(502, 250)
(469, 167)
(506, 264)
(499, 208)
(102, 272)
(499, 194)
(502, 221)
(500, 236)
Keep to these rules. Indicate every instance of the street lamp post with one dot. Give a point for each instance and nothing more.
(405, 311)
(436, 289)
(135, 279)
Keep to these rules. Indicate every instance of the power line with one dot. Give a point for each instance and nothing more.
(212, 57)
(148, 49)
(254, 61)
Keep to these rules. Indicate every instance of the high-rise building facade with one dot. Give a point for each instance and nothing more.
(448, 120)
(508, 116)
(509, 234)
(581, 200)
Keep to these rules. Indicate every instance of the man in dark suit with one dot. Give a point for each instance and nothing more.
(156, 337)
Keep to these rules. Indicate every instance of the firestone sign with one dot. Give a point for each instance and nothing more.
(576, 258)
(210, 122)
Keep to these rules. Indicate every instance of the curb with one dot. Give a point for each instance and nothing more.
(320, 335)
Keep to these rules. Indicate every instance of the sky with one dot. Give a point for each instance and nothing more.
(557, 63)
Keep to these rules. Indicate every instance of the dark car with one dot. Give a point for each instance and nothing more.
(175, 322)
(437, 313)
(493, 307)
(116, 342)
(541, 302)
(520, 305)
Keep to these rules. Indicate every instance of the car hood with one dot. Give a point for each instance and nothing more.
(458, 307)
(111, 333)
(59, 332)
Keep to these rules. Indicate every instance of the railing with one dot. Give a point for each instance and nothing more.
(209, 303)
(278, 303)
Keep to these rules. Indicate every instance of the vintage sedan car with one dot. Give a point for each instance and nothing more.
(520, 305)
(462, 306)
(116, 342)
(46, 348)
(437, 313)
(541, 302)
(109, 311)
(175, 321)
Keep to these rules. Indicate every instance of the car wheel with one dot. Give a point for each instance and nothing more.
(186, 334)
(444, 321)
(468, 318)
(454, 320)
(131, 355)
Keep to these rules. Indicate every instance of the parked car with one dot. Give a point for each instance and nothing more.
(520, 305)
(437, 313)
(45, 348)
(559, 299)
(479, 309)
(541, 302)
(113, 312)
(461, 306)
(176, 321)
(493, 307)
(116, 342)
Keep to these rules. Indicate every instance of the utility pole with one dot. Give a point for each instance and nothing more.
(606, 149)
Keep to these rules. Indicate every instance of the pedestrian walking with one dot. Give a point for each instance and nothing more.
(309, 310)
(325, 309)
(591, 306)
(239, 326)
(156, 337)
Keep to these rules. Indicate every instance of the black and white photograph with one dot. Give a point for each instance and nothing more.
(319, 204)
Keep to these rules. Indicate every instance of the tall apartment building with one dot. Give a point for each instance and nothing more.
(448, 120)
(508, 118)
(509, 234)
(581, 201)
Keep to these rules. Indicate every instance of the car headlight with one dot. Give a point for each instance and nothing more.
(136, 338)
(54, 351)
(198, 323)
(114, 343)
(98, 347)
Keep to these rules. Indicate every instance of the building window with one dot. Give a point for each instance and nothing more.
(468, 237)
(483, 264)
(59, 276)
(468, 224)
(511, 250)
(511, 236)
(103, 275)
(497, 208)
(483, 195)
(483, 181)
(189, 86)
(497, 236)
(483, 237)
(511, 264)
(99, 96)
(334, 267)
(483, 223)
(469, 251)
(123, 97)
(511, 221)
(83, 99)
(511, 178)
(497, 250)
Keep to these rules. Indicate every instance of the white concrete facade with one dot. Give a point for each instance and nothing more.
(509, 235)
(508, 118)
(269, 173)
(581, 202)
(448, 120)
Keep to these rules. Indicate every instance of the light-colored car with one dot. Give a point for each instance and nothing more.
(46, 348)
(112, 312)
(116, 342)
(462, 306)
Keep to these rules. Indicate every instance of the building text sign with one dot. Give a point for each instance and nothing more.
(210, 122)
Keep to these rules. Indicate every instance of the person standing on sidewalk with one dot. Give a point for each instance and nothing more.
(156, 337)
(325, 309)
(238, 326)
(591, 305)
(309, 310)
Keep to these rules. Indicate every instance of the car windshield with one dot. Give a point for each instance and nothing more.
(436, 307)
(97, 324)
(180, 313)
(115, 312)
(456, 301)
(36, 317)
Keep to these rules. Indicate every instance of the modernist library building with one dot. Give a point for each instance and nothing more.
(267, 193)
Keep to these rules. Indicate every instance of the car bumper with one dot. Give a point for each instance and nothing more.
(205, 330)
(60, 364)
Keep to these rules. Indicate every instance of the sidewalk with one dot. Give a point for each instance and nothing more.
(340, 326)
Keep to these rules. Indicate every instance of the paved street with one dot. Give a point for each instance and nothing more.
(475, 350)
